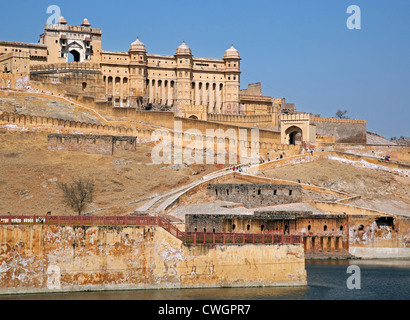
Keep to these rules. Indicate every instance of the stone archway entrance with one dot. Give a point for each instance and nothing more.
(74, 56)
(294, 135)
(296, 129)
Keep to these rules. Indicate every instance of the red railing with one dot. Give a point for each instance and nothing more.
(185, 237)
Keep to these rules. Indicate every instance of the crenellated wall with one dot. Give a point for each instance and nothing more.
(222, 137)
(90, 143)
(342, 130)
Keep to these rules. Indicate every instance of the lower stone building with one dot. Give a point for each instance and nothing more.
(103, 144)
(256, 195)
(328, 232)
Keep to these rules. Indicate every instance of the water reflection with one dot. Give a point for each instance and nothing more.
(381, 280)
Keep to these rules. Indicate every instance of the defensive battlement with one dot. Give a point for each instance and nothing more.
(315, 119)
(67, 28)
(239, 118)
(99, 144)
(68, 66)
(248, 97)
(297, 116)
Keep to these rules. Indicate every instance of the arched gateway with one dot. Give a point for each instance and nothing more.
(297, 129)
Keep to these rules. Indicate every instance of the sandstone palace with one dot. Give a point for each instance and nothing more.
(69, 60)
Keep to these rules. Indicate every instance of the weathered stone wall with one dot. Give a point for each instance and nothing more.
(90, 143)
(14, 81)
(286, 222)
(256, 195)
(80, 79)
(343, 130)
(379, 236)
(57, 259)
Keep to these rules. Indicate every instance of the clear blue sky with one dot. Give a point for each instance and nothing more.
(298, 49)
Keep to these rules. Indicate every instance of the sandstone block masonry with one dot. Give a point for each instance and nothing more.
(343, 130)
(90, 143)
(65, 258)
(324, 233)
(256, 195)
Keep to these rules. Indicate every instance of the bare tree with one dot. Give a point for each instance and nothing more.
(341, 114)
(78, 194)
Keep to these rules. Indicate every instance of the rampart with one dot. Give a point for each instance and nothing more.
(90, 143)
(14, 81)
(217, 137)
(347, 158)
(74, 78)
(343, 130)
(256, 195)
(64, 258)
(253, 121)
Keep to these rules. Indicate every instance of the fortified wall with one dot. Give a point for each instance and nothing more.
(267, 121)
(47, 258)
(14, 81)
(256, 195)
(343, 130)
(75, 78)
(222, 137)
(90, 143)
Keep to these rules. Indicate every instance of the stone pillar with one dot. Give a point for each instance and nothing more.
(170, 94)
(121, 92)
(205, 97)
(218, 99)
(163, 98)
(197, 98)
(106, 88)
(211, 99)
(149, 91)
(113, 91)
(155, 86)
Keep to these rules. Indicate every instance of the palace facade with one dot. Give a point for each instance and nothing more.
(137, 78)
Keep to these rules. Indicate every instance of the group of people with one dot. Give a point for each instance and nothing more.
(280, 156)
(239, 169)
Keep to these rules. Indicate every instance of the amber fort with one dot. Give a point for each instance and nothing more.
(308, 187)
